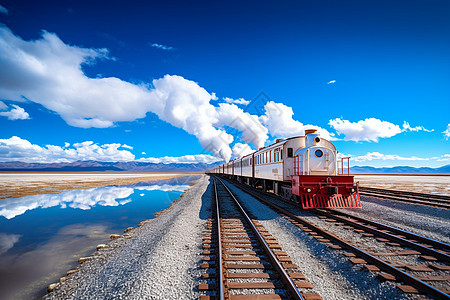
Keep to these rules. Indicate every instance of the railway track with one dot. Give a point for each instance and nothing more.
(441, 201)
(243, 260)
(416, 263)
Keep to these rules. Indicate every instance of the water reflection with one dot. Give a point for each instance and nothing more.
(42, 236)
(81, 199)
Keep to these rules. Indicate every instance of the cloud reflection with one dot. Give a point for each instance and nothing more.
(7, 241)
(78, 199)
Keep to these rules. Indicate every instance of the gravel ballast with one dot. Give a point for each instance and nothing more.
(158, 260)
(331, 273)
(431, 222)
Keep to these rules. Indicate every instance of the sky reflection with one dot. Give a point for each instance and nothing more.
(81, 199)
(42, 236)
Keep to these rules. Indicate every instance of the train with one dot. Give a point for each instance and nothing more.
(302, 169)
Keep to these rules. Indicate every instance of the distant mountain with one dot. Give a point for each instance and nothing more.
(400, 170)
(134, 166)
(96, 166)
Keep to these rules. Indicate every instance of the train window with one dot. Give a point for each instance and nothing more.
(290, 152)
(281, 154)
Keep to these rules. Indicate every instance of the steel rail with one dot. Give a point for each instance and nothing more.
(419, 284)
(220, 275)
(290, 285)
(406, 198)
(411, 235)
(423, 249)
(413, 194)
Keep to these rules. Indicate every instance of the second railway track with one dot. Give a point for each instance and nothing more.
(440, 201)
(431, 278)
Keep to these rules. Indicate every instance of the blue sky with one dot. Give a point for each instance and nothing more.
(357, 69)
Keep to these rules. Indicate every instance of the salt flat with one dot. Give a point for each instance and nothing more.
(428, 184)
(26, 184)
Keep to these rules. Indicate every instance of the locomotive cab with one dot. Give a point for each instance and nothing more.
(315, 182)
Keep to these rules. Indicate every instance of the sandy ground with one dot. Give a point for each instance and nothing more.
(13, 185)
(428, 184)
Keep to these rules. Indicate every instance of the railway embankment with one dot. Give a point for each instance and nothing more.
(157, 260)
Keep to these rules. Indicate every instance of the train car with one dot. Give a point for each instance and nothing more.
(247, 168)
(237, 170)
(302, 169)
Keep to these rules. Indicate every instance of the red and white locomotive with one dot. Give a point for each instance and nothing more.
(303, 169)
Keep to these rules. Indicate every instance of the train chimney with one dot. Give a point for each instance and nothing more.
(311, 137)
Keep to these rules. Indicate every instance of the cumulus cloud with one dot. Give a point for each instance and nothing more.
(370, 129)
(278, 120)
(3, 10)
(127, 146)
(445, 157)
(379, 156)
(240, 101)
(407, 127)
(240, 150)
(49, 72)
(185, 159)
(249, 125)
(331, 82)
(15, 113)
(446, 132)
(17, 149)
(162, 47)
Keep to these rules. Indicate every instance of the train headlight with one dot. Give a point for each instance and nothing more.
(308, 190)
(319, 153)
(352, 190)
(317, 139)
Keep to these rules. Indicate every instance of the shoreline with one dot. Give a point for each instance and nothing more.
(128, 249)
(39, 186)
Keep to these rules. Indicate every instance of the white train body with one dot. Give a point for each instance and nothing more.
(304, 168)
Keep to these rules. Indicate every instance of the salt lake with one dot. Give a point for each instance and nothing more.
(42, 236)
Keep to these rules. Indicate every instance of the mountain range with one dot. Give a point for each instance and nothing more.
(134, 166)
(97, 166)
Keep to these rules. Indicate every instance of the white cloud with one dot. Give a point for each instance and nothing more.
(253, 132)
(278, 119)
(15, 113)
(185, 159)
(445, 157)
(379, 156)
(370, 129)
(240, 150)
(3, 106)
(446, 132)
(144, 153)
(49, 72)
(331, 82)
(17, 149)
(127, 146)
(162, 47)
(407, 127)
(3, 10)
(240, 101)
